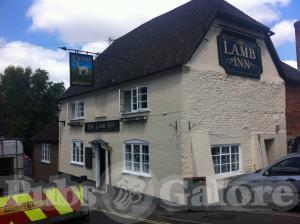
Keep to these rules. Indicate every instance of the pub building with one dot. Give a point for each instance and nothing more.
(197, 92)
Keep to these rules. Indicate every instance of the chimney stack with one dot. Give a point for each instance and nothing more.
(297, 31)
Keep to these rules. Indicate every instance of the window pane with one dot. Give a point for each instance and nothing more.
(225, 168)
(136, 149)
(225, 149)
(134, 106)
(234, 158)
(225, 159)
(143, 97)
(142, 90)
(128, 157)
(136, 157)
(127, 101)
(216, 160)
(235, 167)
(145, 158)
(215, 150)
(234, 149)
(128, 148)
(136, 166)
(143, 105)
(217, 169)
(145, 149)
(133, 93)
(128, 166)
(146, 168)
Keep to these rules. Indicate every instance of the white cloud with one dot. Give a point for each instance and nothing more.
(95, 46)
(284, 32)
(265, 11)
(291, 63)
(25, 54)
(94, 20)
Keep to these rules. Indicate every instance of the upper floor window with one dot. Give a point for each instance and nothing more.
(134, 100)
(136, 157)
(226, 158)
(46, 153)
(77, 110)
(77, 152)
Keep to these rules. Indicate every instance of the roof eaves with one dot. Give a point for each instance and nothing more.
(116, 84)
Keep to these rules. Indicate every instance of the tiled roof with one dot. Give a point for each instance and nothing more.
(162, 43)
(292, 75)
(49, 134)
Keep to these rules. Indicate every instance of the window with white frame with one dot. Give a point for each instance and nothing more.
(134, 100)
(136, 158)
(76, 110)
(77, 152)
(46, 153)
(226, 158)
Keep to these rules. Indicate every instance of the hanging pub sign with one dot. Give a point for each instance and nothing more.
(81, 70)
(239, 54)
(102, 126)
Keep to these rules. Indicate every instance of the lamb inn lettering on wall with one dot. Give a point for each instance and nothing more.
(239, 54)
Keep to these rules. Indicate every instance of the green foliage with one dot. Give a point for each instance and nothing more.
(27, 100)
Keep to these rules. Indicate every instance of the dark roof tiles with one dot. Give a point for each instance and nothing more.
(292, 75)
(164, 42)
(47, 135)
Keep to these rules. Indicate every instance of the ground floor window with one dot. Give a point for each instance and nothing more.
(226, 158)
(136, 158)
(77, 152)
(46, 153)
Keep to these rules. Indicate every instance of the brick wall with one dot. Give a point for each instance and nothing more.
(297, 31)
(41, 170)
(293, 111)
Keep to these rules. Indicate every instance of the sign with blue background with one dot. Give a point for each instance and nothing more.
(239, 54)
(81, 70)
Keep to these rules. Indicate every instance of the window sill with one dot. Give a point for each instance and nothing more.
(135, 116)
(136, 174)
(228, 174)
(77, 119)
(44, 161)
(136, 112)
(76, 163)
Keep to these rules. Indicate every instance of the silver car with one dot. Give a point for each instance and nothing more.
(277, 185)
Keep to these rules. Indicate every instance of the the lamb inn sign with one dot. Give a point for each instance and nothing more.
(239, 54)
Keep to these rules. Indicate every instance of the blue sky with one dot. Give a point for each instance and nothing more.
(31, 30)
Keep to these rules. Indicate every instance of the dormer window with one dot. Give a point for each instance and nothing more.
(76, 110)
(134, 100)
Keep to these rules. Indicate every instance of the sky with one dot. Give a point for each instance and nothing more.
(32, 30)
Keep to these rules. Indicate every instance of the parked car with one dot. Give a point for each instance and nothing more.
(278, 181)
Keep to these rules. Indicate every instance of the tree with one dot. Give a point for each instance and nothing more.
(28, 101)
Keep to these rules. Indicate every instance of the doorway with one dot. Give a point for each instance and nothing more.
(102, 159)
(269, 145)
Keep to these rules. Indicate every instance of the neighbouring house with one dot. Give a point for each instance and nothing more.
(11, 162)
(197, 92)
(292, 107)
(292, 80)
(45, 153)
